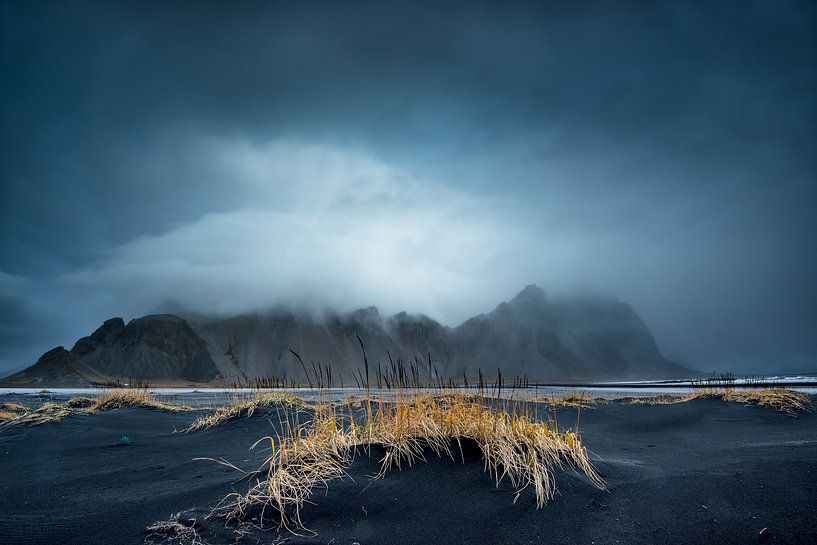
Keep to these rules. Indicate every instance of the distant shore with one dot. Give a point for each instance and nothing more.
(202, 394)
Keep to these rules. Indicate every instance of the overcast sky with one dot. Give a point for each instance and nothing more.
(224, 157)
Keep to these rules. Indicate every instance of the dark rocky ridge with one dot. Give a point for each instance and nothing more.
(576, 338)
(254, 346)
(158, 347)
(57, 368)
(547, 340)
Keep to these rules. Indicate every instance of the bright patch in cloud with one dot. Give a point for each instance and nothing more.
(319, 225)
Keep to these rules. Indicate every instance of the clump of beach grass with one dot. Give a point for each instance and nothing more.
(245, 407)
(662, 399)
(514, 445)
(574, 400)
(80, 402)
(781, 399)
(120, 398)
(106, 401)
(10, 411)
(47, 412)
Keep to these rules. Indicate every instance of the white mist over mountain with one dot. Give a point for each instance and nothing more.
(318, 225)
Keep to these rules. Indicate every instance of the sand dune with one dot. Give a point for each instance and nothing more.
(680, 473)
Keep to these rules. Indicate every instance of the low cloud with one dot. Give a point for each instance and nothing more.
(316, 225)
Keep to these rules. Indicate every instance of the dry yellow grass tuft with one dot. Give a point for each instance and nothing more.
(514, 446)
(575, 400)
(106, 401)
(47, 412)
(119, 398)
(80, 402)
(10, 411)
(663, 399)
(244, 407)
(783, 400)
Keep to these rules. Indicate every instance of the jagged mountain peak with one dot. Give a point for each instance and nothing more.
(404, 317)
(529, 302)
(112, 324)
(367, 313)
(530, 295)
(156, 346)
(366, 319)
(158, 318)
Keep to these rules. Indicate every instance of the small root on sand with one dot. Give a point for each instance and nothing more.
(174, 531)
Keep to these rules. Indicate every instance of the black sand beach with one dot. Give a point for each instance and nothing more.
(698, 472)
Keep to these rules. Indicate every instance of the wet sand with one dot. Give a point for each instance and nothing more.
(699, 472)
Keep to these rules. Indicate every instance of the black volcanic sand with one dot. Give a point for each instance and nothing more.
(699, 472)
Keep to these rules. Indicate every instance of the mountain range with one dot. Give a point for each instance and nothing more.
(556, 340)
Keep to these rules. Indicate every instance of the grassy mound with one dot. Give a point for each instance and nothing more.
(787, 401)
(106, 401)
(117, 399)
(514, 446)
(783, 400)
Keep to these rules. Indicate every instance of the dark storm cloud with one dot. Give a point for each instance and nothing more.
(662, 153)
